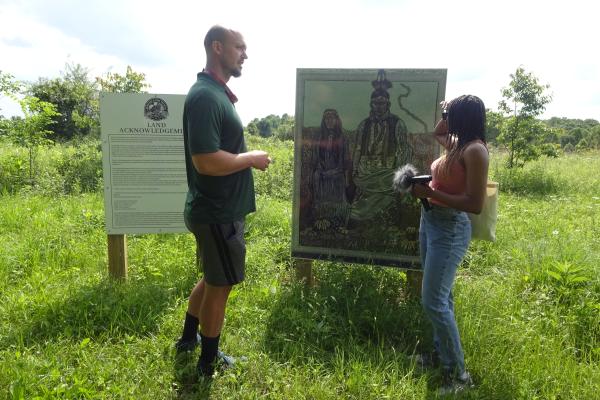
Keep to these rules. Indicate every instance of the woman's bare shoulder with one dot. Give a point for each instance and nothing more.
(476, 149)
(476, 146)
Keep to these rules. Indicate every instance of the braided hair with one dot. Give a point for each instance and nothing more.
(466, 122)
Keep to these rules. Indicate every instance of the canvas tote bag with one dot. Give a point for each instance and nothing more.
(483, 226)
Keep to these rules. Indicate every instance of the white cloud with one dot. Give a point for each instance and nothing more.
(480, 43)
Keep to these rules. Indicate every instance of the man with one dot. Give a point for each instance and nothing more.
(381, 146)
(220, 191)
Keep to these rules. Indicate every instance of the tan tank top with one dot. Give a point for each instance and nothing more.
(452, 180)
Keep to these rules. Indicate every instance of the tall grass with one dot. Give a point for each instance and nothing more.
(58, 169)
(528, 306)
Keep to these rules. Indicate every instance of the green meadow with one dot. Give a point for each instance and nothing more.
(528, 305)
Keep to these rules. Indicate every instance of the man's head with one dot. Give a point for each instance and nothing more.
(380, 102)
(225, 51)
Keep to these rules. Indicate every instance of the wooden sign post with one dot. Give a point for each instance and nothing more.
(304, 271)
(117, 256)
(414, 282)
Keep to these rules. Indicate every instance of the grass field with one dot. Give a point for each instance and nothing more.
(528, 305)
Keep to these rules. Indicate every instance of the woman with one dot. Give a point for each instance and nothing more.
(331, 172)
(458, 186)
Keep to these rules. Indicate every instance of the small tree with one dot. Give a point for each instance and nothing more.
(594, 138)
(76, 100)
(32, 130)
(131, 82)
(8, 85)
(493, 124)
(524, 100)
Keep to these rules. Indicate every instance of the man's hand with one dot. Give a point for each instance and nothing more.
(221, 163)
(260, 159)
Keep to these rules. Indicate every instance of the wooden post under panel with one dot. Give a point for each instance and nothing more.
(304, 271)
(414, 282)
(117, 256)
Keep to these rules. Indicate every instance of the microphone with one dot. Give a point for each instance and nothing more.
(405, 177)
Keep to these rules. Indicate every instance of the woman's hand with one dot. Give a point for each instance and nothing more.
(442, 135)
(421, 190)
(440, 132)
(441, 129)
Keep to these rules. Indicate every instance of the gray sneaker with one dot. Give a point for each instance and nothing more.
(222, 362)
(183, 346)
(225, 361)
(455, 384)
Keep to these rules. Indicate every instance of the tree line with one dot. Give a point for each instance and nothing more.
(67, 108)
(61, 109)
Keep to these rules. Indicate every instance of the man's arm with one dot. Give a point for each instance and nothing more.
(221, 163)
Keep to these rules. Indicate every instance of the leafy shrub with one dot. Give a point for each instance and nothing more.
(572, 296)
(533, 179)
(81, 167)
(60, 169)
(14, 168)
(569, 148)
(276, 181)
(582, 145)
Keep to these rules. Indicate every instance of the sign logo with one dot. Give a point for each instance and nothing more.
(156, 109)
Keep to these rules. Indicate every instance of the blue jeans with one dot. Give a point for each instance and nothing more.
(444, 237)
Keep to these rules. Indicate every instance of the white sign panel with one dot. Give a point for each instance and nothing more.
(143, 161)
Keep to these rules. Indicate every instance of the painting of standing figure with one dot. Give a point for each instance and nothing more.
(354, 129)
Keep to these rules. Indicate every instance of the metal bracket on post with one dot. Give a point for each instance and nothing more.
(304, 271)
(117, 256)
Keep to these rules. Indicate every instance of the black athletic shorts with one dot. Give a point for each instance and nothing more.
(221, 249)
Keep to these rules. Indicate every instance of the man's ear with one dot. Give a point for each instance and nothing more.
(217, 46)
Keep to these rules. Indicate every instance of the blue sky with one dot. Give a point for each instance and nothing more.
(480, 43)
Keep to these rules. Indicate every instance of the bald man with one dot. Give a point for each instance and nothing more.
(220, 192)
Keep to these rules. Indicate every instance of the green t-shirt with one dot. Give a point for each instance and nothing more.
(211, 123)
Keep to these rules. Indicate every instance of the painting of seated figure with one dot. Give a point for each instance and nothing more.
(354, 129)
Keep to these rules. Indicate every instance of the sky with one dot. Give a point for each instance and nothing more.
(479, 42)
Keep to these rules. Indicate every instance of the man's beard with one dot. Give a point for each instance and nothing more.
(236, 73)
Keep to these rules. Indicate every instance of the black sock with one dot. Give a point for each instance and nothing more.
(190, 328)
(210, 347)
